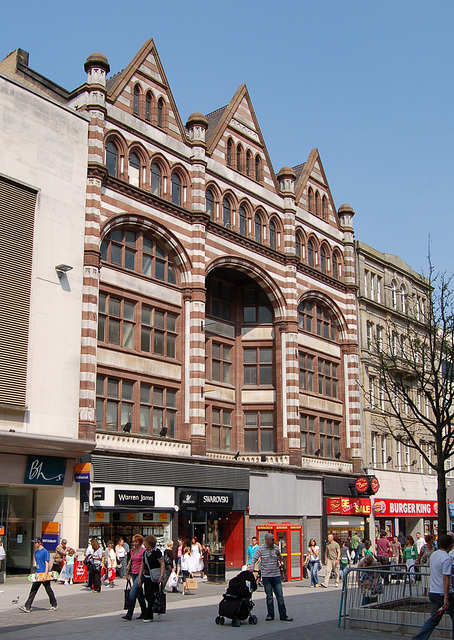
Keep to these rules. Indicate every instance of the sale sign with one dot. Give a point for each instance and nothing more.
(349, 506)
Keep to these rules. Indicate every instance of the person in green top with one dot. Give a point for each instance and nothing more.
(354, 542)
(410, 554)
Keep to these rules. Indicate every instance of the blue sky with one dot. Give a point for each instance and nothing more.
(368, 83)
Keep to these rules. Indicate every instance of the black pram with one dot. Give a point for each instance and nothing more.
(236, 603)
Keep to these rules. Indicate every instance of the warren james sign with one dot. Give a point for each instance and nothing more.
(138, 498)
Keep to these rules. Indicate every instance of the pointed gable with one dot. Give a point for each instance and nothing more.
(237, 122)
(312, 192)
(146, 71)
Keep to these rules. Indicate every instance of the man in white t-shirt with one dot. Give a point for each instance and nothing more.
(441, 595)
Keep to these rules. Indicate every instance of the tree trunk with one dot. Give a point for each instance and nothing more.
(442, 503)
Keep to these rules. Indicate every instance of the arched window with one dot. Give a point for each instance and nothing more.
(160, 113)
(248, 163)
(137, 251)
(324, 208)
(239, 153)
(317, 204)
(322, 260)
(257, 168)
(229, 152)
(209, 203)
(272, 235)
(393, 295)
(176, 188)
(403, 299)
(298, 246)
(134, 169)
(257, 228)
(335, 266)
(310, 254)
(112, 159)
(148, 106)
(226, 213)
(243, 221)
(136, 99)
(316, 318)
(156, 179)
(310, 200)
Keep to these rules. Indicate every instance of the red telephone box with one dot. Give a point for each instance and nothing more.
(289, 539)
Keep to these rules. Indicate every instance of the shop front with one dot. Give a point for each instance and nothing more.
(37, 493)
(346, 516)
(215, 518)
(406, 516)
(289, 539)
(120, 511)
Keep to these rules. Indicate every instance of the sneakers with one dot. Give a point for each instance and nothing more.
(269, 618)
(24, 609)
(324, 585)
(145, 620)
(54, 607)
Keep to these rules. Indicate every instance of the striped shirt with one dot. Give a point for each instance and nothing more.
(269, 557)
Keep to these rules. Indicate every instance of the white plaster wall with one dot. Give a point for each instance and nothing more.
(45, 146)
(59, 504)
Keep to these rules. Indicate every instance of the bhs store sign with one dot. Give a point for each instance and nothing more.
(45, 470)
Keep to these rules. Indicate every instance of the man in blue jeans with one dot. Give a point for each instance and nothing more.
(270, 562)
(441, 595)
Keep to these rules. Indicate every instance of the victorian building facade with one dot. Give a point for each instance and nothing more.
(219, 361)
(391, 302)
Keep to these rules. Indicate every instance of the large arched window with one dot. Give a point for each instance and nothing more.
(229, 152)
(315, 317)
(176, 188)
(226, 213)
(257, 228)
(243, 221)
(394, 295)
(160, 113)
(148, 106)
(136, 100)
(310, 253)
(323, 260)
(272, 235)
(156, 179)
(403, 299)
(138, 251)
(134, 169)
(298, 246)
(112, 159)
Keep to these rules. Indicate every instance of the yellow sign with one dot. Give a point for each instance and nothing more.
(99, 516)
(50, 527)
(82, 467)
(163, 517)
(130, 517)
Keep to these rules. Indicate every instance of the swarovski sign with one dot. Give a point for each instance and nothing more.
(206, 499)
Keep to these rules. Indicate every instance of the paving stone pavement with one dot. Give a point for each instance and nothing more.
(82, 615)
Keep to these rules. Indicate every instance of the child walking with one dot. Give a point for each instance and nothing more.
(111, 563)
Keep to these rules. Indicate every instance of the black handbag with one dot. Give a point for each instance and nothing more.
(127, 593)
(159, 604)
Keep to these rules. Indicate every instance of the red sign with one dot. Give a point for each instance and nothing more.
(374, 484)
(406, 508)
(362, 484)
(349, 506)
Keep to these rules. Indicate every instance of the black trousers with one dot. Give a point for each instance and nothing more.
(151, 589)
(34, 591)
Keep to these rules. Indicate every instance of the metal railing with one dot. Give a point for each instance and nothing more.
(387, 595)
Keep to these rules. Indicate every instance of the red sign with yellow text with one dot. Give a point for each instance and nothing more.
(349, 506)
(406, 508)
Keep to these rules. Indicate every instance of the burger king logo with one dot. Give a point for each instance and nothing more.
(380, 507)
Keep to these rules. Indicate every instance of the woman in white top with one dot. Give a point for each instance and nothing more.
(122, 558)
(186, 569)
(196, 557)
(313, 562)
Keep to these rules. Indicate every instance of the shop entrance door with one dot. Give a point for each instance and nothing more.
(233, 530)
(16, 506)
